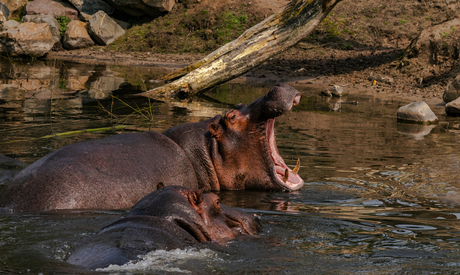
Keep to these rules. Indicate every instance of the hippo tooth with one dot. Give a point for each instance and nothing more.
(297, 167)
(286, 175)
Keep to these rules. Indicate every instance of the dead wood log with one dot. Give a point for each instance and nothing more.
(273, 35)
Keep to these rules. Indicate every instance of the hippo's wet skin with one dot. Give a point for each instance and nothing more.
(234, 151)
(169, 218)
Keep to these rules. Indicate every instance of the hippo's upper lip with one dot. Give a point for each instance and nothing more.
(293, 181)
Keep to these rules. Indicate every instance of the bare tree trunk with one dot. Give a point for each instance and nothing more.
(275, 34)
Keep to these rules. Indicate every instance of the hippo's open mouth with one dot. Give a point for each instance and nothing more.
(285, 176)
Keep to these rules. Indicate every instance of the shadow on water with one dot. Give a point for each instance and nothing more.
(380, 196)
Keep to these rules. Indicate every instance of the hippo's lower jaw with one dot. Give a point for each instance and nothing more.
(284, 176)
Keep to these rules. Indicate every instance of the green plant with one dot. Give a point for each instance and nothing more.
(20, 12)
(63, 21)
(63, 84)
(332, 28)
(444, 34)
(231, 24)
(346, 47)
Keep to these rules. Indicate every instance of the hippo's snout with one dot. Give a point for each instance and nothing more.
(280, 99)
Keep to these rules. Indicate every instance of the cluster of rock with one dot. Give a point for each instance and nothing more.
(91, 23)
(420, 111)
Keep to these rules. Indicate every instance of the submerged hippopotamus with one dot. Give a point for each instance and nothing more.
(169, 218)
(234, 151)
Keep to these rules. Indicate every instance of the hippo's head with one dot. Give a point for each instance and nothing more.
(173, 217)
(201, 215)
(244, 151)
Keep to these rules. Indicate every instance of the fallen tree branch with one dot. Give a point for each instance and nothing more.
(275, 34)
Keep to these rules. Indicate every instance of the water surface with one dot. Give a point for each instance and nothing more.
(380, 196)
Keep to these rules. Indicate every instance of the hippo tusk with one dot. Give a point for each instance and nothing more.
(286, 175)
(297, 167)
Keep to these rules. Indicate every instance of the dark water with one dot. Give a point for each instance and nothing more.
(381, 197)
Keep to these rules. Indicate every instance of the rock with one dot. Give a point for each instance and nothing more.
(10, 24)
(380, 78)
(143, 7)
(76, 36)
(417, 111)
(88, 8)
(161, 5)
(15, 6)
(452, 91)
(48, 19)
(453, 108)
(4, 12)
(103, 29)
(335, 90)
(28, 38)
(54, 8)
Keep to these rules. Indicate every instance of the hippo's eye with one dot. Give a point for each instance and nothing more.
(231, 118)
(217, 204)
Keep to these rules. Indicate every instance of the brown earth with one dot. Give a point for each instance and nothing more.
(357, 39)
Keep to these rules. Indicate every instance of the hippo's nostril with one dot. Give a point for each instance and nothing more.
(296, 100)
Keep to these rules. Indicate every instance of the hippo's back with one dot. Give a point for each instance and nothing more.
(126, 239)
(109, 173)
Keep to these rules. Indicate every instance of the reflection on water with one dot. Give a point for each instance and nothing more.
(381, 196)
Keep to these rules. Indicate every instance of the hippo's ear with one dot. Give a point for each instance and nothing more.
(216, 129)
(199, 196)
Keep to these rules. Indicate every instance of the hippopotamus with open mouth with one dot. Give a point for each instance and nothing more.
(230, 152)
(173, 217)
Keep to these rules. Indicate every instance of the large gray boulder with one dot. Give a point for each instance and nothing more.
(28, 39)
(4, 12)
(54, 8)
(48, 19)
(453, 107)
(143, 7)
(90, 7)
(103, 29)
(76, 36)
(418, 112)
(15, 6)
(452, 91)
